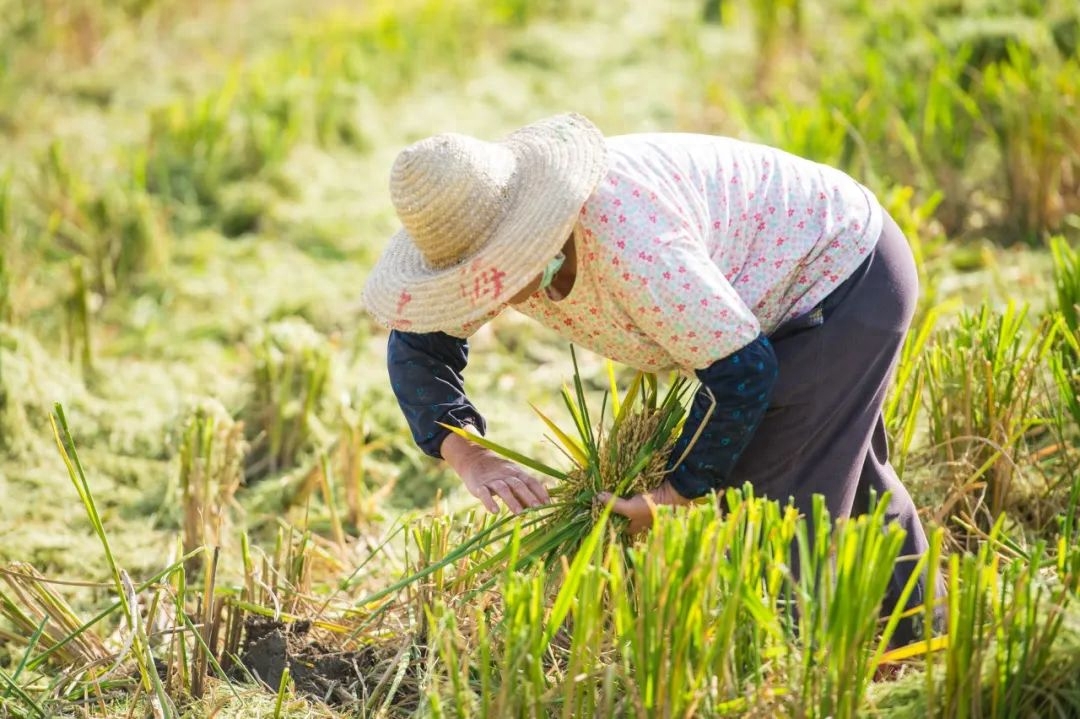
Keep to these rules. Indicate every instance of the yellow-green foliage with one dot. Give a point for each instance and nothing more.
(676, 627)
(292, 367)
(188, 177)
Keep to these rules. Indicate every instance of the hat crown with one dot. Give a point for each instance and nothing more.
(450, 192)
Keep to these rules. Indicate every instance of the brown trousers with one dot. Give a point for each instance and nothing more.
(824, 432)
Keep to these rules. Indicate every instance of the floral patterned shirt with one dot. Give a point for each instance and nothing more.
(691, 252)
(694, 245)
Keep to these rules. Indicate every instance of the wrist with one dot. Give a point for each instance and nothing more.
(667, 494)
(458, 451)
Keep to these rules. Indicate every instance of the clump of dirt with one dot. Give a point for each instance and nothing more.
(333, 676)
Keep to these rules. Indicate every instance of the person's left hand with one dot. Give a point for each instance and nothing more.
(639, 509)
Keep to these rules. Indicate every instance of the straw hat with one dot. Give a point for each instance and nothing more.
(481, 220)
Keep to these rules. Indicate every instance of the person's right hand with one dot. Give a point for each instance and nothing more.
(487, 475)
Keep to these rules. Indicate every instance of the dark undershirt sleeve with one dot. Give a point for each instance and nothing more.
(426, 376)
(741, 385)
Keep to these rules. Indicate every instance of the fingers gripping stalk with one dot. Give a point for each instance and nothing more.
(487, 475)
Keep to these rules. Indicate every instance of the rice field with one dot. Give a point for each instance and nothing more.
(211, 507)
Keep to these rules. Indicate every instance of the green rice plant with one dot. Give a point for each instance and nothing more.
(357, 441)
(981, 378)
(13, 692)
(844, 574)
(1002, 623)
(1030, 101)
(528, 652)
(140, 646)
(77, 315)
(1011, 645)
(934, 120)
(702, 618)
(816, 131)
(625, 452)
(1068, 544)
(712, 11)
(291, 379)
(916, 218)
(1065, 421)
(1028, 677)
(589, 684)
(448, 693)
(1066, 261)
(198, 146)
(389, 47)
(212, 448)
(291, 565)
(433, 541)
(680, 614)
(282, 691)
(110, 222)
(777, 24)
(904, 402)
(520, 666)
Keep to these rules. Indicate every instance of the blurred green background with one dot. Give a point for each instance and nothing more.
(194, 190)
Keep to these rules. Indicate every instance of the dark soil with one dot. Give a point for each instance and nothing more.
(333, 676)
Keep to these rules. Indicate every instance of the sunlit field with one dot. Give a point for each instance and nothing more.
(210, 505)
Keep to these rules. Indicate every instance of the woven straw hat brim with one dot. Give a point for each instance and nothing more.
(559, 163)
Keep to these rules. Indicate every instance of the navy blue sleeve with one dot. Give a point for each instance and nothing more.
(426, 376)
(741, 385)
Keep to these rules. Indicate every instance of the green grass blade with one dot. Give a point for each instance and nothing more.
(40, 659)
(30, 647)
(82, 486)
(616, 405)
(572, 446)
(506, 452)
(22, 695)
(629, 398)
(568, 591)
(209, 654)
(579, 408)
(477, 541)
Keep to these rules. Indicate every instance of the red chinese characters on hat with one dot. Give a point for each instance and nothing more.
(480, 282)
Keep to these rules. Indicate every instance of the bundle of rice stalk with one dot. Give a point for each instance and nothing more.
(624, 451)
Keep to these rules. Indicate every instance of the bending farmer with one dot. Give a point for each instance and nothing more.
(781, 283)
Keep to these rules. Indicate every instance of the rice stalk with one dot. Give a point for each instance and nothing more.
(624, 451)
(1028, 98)
(845, 571)
(212, 449)
(1066, 260)
(144, 658)
(291, 383)
(354, 446)
(981, 378)
(34, 609)
(510, 656)
(78, 318)
(59, 647)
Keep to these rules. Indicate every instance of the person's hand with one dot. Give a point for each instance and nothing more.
(640, 509)
(487, 475)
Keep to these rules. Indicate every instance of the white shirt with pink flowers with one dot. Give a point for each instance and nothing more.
(693, 245)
